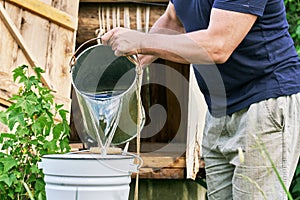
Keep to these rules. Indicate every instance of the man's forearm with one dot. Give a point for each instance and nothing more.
(164, 25)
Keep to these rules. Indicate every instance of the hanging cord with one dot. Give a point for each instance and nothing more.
(139, 72)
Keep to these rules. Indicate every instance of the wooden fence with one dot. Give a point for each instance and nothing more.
(37, 33)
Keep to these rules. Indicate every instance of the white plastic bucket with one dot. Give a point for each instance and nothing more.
(87, 176)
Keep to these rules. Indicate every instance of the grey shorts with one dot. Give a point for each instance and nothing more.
(270, 127)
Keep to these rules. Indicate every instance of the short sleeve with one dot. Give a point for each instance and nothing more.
(255, 7)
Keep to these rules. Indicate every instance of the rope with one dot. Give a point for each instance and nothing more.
(139, 72)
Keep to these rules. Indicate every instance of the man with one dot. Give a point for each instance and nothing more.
(249, 72)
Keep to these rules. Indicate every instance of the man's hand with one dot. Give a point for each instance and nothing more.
(124, 42)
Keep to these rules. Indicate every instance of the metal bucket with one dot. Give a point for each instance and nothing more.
(88, 176)
(106, 87)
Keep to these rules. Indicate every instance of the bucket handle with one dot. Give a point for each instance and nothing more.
(139, 165)
(133, 58)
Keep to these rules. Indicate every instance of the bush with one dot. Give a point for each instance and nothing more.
(33, 133)
(293, 17)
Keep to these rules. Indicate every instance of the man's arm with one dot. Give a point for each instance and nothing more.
(168, 23)
(212, 45)
(225, 32)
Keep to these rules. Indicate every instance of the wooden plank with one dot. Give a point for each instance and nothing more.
(60, 49)
(154, 146)
(88, 21)
(7, 87)
(196, 119)
(8, 47)
(21, 42)
(177, 102)
(162, 161)
(4, 102)
(165, 173)
(47, 11)
(128, 1)
(76, 146)
(3, 128)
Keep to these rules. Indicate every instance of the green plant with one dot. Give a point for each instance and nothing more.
(34, 132)
(267, 156)
(295, 185)
(293, 17)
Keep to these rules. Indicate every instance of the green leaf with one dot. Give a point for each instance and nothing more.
(42, 125)
(57, 130)
(8, 163)
(14, 118)
(6, 179)
(15, 98)
(11, 194)
(298, 171)
(51, 146)
(298, 30)
(19, 72)
(3, 118)
(31, 105)
(58, 106)
(22, 132)
(8, 135)
(64, 145)
(48, 97)
(18, 174)
(18, 187)
(63, 114)
(34, 169)
(39, 185)
(33, 80)
(41, 196)
(38, 72)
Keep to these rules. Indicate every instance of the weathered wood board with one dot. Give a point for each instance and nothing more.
(137, 16)
(38, 33)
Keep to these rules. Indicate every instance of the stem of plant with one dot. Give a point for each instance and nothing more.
(255, 183)
(28, 190)
(263, 148)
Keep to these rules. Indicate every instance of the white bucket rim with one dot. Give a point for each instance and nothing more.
(89, 156)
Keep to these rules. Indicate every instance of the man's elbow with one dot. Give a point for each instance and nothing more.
(220, 57)
(220, 54)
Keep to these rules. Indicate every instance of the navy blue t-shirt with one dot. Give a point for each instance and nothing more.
(264, 65)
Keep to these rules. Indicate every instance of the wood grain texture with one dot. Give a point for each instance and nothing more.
(15, 33)
(165, 173)
(88, 22)
(50, 45)
(47, 11)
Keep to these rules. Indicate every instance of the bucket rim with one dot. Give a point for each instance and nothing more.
(90, 156)
(100, 99)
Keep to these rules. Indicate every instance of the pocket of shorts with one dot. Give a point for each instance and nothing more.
(275, 107)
